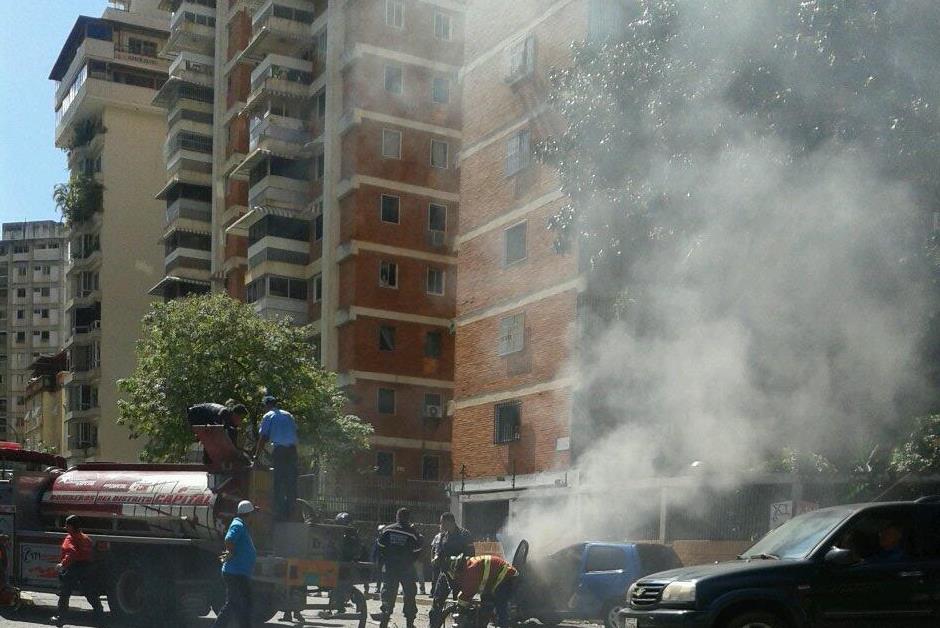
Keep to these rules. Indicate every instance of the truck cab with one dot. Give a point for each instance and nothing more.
(588, 581)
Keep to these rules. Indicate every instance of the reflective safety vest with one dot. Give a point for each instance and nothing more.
(482, 574)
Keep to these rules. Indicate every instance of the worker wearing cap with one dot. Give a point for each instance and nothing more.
(238, 564)
(490, 576)
(278, 428)
(400, 545)
(75, 569)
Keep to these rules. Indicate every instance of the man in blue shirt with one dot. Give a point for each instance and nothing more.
(238, 563)
(278, 428)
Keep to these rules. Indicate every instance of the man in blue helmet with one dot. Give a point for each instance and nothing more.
(279, 428)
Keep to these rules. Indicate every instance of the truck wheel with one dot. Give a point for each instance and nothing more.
(611, 609)
(756, 620)
(134, 594)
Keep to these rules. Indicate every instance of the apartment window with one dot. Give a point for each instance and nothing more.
(386, 338)
(430, 468)
(606, 19)
(507, 417)
(393, 79)
(317, 288)
(21, 293)
(20, 315)
(395, 13)
(514, 250)
(435, 281)
(391, 144)
(439, 154)
(440, 91)
(517, 153)
(41, 313)
(319, 164)
(142, 47)
(437, 217)
(511, 334)
(91, 165)
(20, 337)
(390, 208)
(20, 248)
(287, 288)
(442, 26)
(433, 340)
(521, 58)
(318, 227)
(319, 104)
(386, 401)
(20, 270)
(388, 274)
(384, 463)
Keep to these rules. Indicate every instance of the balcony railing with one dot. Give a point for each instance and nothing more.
(189, 209)
(279, 131)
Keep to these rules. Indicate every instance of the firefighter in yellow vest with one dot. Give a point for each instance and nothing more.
(490, 576)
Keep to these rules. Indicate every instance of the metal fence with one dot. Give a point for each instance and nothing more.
(375, 499)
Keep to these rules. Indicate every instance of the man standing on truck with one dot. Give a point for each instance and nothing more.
(229, 416)
(238, 563)
(279, 428)
(76, 569)
(399, 546)
(490, 576)
(453, 541)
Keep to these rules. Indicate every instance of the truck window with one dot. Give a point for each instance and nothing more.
(655, 558)
(604, 558)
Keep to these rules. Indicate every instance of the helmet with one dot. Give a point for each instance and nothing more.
(343, 519)
(456, 565)
(245, 507)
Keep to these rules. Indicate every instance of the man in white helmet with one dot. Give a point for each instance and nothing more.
(238, 563)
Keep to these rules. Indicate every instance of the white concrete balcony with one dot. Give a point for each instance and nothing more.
(48, 255)
(192, 28)
(193, 68)
(187, 209)
(280, 135)
(89, 100)
(274, 33)
(275, 191)
(278, 307)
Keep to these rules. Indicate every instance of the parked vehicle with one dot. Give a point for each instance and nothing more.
(857, 566)
(587, 581)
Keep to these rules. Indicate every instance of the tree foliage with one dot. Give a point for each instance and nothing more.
(920, 451)
(78, 199)
(213, 348)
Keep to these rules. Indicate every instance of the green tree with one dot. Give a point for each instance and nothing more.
(213, 348)
(78, 199)
(920, 451)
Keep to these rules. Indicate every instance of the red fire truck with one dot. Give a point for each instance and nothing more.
(158, 532)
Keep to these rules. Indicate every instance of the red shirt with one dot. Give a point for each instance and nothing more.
(76, 548)
(477, 578)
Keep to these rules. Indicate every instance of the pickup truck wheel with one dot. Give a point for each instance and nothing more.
(611, 609)
(756, 620)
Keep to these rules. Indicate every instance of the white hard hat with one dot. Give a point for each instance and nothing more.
(245, 507)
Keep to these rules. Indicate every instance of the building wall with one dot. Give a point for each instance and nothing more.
(543, 286)
(132, 256)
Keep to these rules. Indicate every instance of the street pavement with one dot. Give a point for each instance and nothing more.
(43, 608)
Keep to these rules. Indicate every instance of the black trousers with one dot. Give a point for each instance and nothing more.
(285, 481)
(237, 602)
(79, 576)
(391, 579)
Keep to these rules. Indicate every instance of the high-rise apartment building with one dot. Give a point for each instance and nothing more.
(518, 299)
(106, 77)
(311, 171)
(32, 271)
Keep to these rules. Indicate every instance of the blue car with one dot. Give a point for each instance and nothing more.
(586, 581)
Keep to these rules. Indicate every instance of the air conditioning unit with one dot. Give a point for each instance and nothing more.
(433, 412)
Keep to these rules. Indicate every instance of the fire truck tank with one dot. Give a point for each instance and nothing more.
(146, 500)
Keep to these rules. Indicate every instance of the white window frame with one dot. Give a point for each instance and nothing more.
(518, 152)
(520, 58)
(525, 243)
(395, 12)
(386, 133)
(401, 79)
(442, 206)
(427, 286)
(446, 81)
(446, 154)
(511, 334)
(384, 269)
(382, 198)
(317, 286)
(445, 32)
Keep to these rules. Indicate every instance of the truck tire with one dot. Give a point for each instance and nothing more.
(610, 611)
(756, 620)
(134, 594)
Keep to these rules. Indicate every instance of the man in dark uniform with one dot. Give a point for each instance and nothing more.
(228, 416)
(399, 545)
(453, 541)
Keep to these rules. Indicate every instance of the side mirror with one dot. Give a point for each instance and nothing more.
(841, 557)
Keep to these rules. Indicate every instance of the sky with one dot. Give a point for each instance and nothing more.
(30, 164)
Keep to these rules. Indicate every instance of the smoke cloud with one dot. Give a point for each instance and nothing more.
(782, 302)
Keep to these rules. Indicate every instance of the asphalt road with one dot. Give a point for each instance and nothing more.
(44, 606)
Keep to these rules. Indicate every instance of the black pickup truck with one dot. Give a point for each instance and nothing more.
(858, 566)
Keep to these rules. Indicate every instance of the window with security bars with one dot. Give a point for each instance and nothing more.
(518, 153)
(439, 151)
(521, 59)
(391, 144)
(384, 463)
(442, 26)
(511, 334)
(506, 419)
(388, 275)
(395, 13)
(435, 281)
